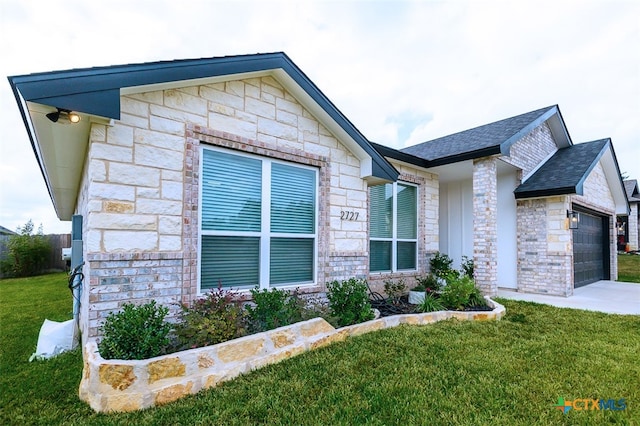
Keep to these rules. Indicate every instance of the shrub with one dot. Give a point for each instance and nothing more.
(457, 293)
(476, 299)
(136, 332)
(27, 252)
(440, 265)
(273, 308)
(395, 289)
(349, 302)
(428, 283)
(467, 266)
(431, 303)
(213, 319)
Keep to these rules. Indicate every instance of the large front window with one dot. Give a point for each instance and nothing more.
(258, 221)
(393, 227)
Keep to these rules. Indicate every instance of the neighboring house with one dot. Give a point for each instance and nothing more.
(5, 235)
(238, 171)
(628, 226)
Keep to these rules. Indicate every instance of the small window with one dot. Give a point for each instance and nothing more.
(393, 228)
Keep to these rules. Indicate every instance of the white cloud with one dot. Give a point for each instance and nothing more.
(402, 72)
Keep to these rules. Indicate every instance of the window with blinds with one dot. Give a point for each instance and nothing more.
(258, 221)
(393, 227)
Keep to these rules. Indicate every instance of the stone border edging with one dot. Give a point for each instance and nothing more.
(120, 386)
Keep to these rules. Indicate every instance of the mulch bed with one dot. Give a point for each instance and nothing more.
(388, 307)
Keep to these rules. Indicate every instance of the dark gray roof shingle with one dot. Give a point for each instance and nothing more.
(631, 188)
(565, 172)
(489, 139)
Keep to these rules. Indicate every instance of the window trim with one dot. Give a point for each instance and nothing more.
(265, 233)
(394, 231)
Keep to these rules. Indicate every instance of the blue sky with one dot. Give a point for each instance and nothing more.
(402, 72)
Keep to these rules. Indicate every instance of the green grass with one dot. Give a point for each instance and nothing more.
(629, 268)
(509, 372)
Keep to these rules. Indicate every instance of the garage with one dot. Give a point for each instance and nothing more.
(590, 249)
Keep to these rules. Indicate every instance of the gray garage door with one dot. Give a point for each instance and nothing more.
(590, 250)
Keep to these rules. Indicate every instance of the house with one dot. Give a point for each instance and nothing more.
(628, 226)
(238, 171)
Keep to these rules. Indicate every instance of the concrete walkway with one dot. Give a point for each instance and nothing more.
(612, 297)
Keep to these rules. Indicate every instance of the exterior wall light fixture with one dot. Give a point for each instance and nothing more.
(64, 116)
(574, 219)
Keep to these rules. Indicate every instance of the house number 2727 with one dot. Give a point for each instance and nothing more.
(348, 215)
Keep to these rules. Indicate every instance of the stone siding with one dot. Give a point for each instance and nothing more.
(139, 193)
(545, 255)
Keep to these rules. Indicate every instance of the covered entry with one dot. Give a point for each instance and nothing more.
(590, 249)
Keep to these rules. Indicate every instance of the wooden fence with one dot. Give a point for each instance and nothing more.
(57, 243)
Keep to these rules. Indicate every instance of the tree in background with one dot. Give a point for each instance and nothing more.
(27, 252)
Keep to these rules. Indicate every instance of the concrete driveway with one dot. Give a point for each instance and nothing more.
(612, 297)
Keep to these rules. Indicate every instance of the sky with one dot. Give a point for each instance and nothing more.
(402, 72)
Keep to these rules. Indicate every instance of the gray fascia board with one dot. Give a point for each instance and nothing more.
(63, 89)
(401, 156)
(471, 155)
(580, 184)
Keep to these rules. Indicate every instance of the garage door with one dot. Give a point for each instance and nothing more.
(590, 243)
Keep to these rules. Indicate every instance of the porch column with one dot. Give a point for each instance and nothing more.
(633, 227)
(485, 224)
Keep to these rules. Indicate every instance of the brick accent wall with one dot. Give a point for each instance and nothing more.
(485, 224)
(528, 152)
(545, 255)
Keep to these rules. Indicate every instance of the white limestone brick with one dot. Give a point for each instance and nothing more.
(166, 125)
(170, 225)
(104, 151)
(170, 243)
(110, 191)
(172, 175)
(232, 125)
(129, 174)
(97, 171)
(120, 135)
(287, 118)
(158, 157)
(183, 116)
(288, 106)
(160, 207)
(98, 133)
(260, 108)
(159, 139)
(122, 221)
(221, 97)
(178, 99)
(172, 190)
(235, 88)
(146, 192)
(92, 239)
(134, 121)
(155, 97)
(279, 130)
(134, 106)
(115, 241)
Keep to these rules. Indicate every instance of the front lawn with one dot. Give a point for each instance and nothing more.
(629, 268)
(509, 372)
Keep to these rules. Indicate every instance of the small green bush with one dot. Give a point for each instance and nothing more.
(457, 293)
(273, 308)
(349, 301)
(440, 265)
(467, 266)
(428, 283)
(136, 332)
(395, 289)
(213, 319)
(431, 303)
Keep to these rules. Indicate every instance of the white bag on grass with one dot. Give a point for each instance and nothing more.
(55, 338)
